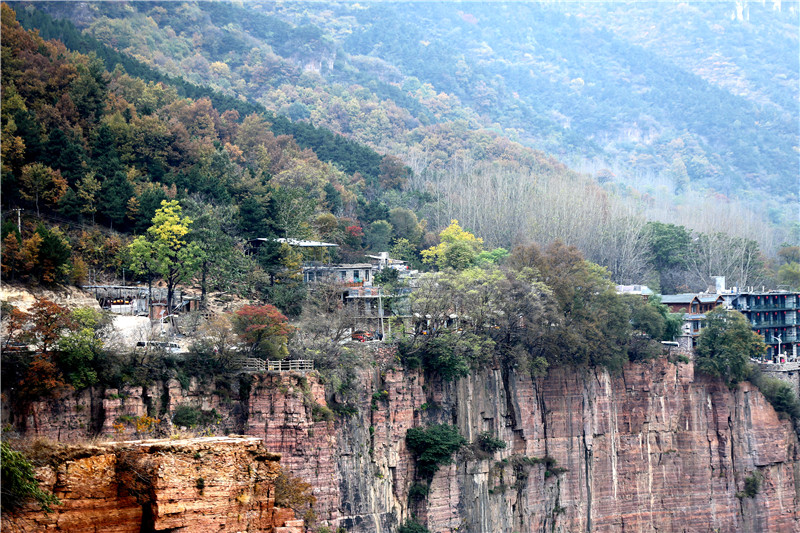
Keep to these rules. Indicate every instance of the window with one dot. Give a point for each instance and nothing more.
(366, 275)
(356, 274)
(344, 274)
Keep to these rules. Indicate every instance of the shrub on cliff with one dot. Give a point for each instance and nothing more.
(293, 493)
(778, 393)
(190, 417)
(450, 355)
(19, 486)
(412, 526)
(434, 446)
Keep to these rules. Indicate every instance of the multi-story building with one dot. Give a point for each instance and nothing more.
(775, 315)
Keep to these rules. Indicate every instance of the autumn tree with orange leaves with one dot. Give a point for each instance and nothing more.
(264, 329)
(36, 376)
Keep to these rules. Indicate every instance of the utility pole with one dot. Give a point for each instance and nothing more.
(19, 219)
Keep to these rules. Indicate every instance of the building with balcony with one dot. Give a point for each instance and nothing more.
(774, 315)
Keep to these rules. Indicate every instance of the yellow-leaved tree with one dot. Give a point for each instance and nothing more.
(165, 251)
(458, 248)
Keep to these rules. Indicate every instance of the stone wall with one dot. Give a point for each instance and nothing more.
(786, 372)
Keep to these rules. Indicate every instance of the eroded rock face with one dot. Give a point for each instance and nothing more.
(654, 448)
(192, 485)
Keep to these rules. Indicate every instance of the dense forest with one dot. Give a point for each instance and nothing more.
(95, 139)
(655, 116)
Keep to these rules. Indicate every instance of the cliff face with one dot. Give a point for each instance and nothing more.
(654, 448)
(194, 485)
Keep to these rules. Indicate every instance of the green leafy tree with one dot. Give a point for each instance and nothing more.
(725, 346)
(405, 225)
(82, 348)
(224, 265)
(669, 251)
(115, 192)
(165, 250)
(53, 259)
(378, 235)
(789, 274)
(593, 323)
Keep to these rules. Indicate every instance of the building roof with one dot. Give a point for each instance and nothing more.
(634, 289)
(339, 266)
(299, 243)
(709, 299)
(683, 298)
(688, 316)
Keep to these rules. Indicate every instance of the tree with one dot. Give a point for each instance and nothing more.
(41, 182)
(394, 173)
(377, 236)
(224, 264)
(42, 327)
(116, 190)
(87, 192)
(433, 447)
(265, 329)
(53, 258)
(789, 254)
(405, 225)
(164, 249)
(669, 249)
(725, 346)
(457, 249)
(81, 348)
(591, 324)
(789, 274)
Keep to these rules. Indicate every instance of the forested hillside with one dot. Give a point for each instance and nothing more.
(212, 104)
(87, 151)
(673, 122)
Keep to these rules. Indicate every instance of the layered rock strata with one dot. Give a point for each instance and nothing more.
(193, 485)
(653, 448)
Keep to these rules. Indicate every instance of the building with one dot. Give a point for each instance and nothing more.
(637, 290)
(691, 302)
(351, 275)
(774, 315)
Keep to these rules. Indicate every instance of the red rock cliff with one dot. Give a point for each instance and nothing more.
(654, 448)
(651, 449)
(193, 485)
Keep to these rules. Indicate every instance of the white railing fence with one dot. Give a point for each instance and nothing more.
(253, 364)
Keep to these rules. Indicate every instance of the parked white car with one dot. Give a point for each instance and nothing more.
(168, 347)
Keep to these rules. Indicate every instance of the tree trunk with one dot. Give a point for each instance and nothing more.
(203, 285)
(170, 294)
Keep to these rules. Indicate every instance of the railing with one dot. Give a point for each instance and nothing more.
(253, 364)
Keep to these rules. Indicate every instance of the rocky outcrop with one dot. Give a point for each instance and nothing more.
(194, 485)
(651, 448)
(23, 297)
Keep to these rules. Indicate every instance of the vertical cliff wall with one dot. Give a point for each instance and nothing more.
(654, 448)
